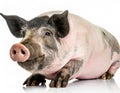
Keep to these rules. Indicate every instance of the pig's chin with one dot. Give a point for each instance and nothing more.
(32, 63)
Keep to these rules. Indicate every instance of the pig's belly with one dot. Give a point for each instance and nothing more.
(96, 65)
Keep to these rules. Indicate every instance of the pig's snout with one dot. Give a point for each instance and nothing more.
(19, 52)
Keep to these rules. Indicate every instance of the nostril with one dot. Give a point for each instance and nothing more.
(14, 52)
(22, 51)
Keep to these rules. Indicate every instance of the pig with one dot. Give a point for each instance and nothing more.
(61, 46)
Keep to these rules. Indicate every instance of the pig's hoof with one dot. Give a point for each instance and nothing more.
(61, 80)
(106, 76)
(35, 80)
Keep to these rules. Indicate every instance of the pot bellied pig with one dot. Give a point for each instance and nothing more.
(61, 46)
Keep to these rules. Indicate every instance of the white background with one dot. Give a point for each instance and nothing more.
(105, 13)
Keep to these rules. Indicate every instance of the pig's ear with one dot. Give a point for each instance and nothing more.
(60, 23)
(15, 25)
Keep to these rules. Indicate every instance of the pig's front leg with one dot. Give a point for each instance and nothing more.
(62, 77)
(35, 80)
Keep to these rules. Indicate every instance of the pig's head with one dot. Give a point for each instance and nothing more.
(41, 39)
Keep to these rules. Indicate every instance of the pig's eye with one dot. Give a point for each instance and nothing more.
(47, 33)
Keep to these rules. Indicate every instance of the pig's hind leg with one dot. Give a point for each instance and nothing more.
(111, 71)
(63, 76)
(35, 80)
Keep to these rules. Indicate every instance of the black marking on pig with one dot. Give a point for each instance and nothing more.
(16, 25)
(103, 33)
(111, 40)
(37, 22)
(75, 67)
(60, 23)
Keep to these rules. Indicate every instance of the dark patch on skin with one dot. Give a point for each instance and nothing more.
(37, 22)
(62, 77)
(104, 33)
(111, 41)
(75, 66)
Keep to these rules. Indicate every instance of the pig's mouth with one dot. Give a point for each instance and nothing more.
(33, 63)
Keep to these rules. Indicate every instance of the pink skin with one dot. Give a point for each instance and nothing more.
(19, 52)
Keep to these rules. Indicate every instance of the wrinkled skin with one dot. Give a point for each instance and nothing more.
(63, 46)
